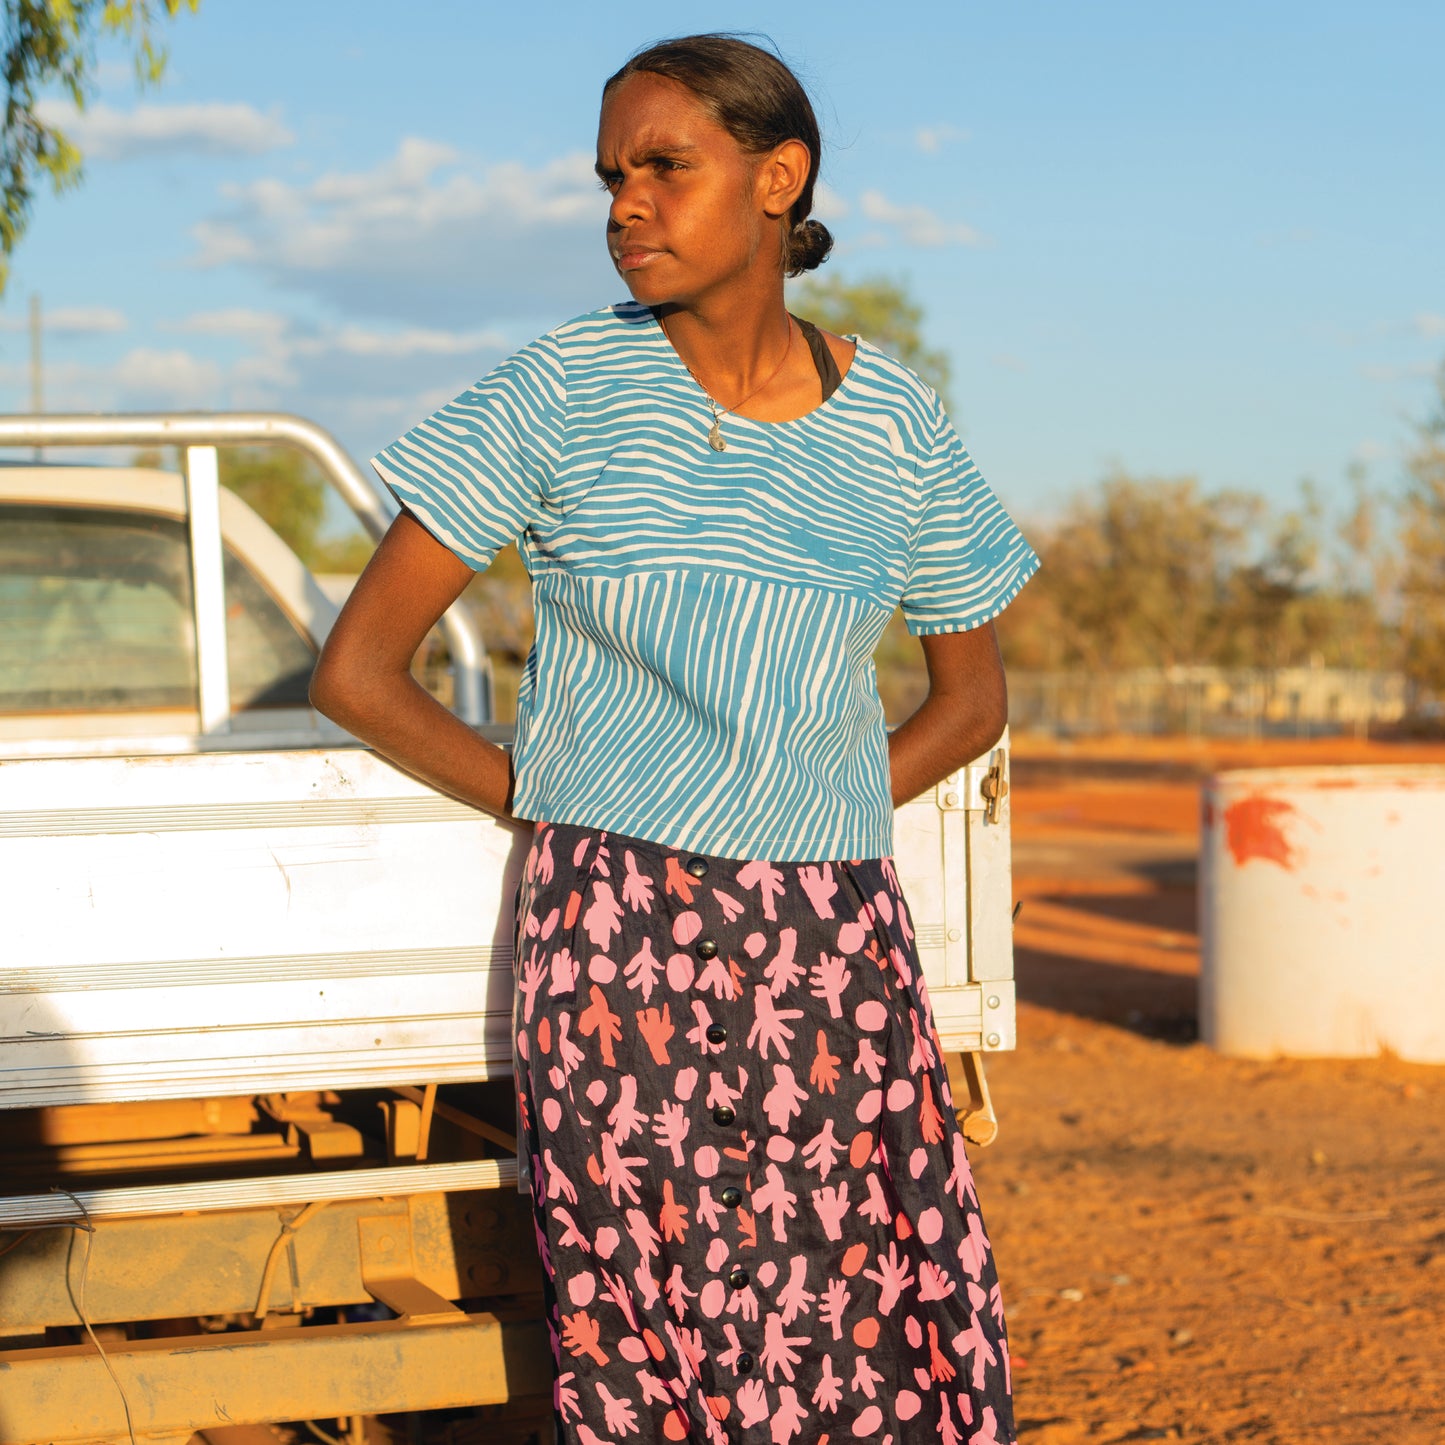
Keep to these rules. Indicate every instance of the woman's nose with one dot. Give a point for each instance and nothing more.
(629, 202)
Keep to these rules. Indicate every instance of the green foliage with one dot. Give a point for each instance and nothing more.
(1132, 575)
(879, 309)
(283, 486)
(1154, 573)
(51, 43)
(1423, 542)
(347, 554)
(288, 492)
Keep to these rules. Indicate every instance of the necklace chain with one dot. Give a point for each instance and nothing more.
(715, 436)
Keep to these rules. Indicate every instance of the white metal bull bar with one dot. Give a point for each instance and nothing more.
(198, 434)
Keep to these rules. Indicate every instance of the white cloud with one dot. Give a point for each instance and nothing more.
(917, 225)
(414, 341)
(210, 128)
(365, 375)
(366, 383)
(260, 378)
(84, 320)
(152, 378)
(1430, 324)
(442, 243)
(266, 381)
(428, 237)
(931, 139)
(240, 321)
(276, 332)
(71, 321)
(144, 379)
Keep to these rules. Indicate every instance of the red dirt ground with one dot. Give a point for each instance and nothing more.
(1193, 1247)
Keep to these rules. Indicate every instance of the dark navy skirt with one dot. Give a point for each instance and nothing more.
(752, 1199)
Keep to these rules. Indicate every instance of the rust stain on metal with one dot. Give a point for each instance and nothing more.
(1254, 829)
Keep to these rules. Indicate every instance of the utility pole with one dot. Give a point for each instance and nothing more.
(37, 393)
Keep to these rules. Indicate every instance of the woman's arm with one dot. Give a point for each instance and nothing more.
(363, 677)
(963, 715)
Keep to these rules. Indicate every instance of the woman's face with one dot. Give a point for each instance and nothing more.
(689, 217)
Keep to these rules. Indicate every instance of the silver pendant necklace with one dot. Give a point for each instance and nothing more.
(714, 434)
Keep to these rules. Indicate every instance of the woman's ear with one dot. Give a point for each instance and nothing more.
(782, 175)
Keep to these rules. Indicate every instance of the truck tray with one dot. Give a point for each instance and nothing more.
(261, 922)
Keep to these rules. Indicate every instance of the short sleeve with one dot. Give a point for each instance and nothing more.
(969, 560)
(476, 473)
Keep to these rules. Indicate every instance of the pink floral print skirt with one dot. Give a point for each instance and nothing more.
(751, 1194)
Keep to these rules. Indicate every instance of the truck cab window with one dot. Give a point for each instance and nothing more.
(270, 660)
(95, 615)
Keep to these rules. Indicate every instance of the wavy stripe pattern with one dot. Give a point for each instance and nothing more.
(702, 674)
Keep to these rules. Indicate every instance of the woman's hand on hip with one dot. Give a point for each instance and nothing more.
(964, 714)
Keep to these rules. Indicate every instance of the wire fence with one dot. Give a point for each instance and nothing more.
(1298, 702)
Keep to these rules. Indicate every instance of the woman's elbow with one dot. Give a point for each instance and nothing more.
(335, 687)
(993, 712)
(321, 691)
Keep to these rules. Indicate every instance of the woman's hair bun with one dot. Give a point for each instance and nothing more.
(808, 245)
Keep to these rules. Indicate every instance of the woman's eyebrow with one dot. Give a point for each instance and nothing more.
(653, 151)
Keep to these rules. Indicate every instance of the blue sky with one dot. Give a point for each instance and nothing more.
(1178, 239)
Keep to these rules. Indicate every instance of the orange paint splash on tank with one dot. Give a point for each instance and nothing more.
(1253, 830)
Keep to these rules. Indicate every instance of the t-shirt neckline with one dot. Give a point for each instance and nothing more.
(661, 338)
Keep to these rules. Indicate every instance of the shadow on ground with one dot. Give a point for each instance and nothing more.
(1146, 1001)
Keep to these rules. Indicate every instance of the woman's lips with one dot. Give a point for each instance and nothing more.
(631, 258)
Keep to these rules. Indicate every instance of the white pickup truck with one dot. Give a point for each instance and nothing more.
(257, 1152)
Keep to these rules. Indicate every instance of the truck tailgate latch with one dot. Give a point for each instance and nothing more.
(994, 788)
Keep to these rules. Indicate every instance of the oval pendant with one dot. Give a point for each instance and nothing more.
(715, 439)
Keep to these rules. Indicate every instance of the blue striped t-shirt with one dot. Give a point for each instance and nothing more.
(702, 674)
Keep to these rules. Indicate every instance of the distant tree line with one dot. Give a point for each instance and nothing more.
(1156, 572)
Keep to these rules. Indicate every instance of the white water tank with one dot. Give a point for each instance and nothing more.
(1322, 912)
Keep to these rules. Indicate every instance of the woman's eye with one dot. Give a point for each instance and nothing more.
(612, 182)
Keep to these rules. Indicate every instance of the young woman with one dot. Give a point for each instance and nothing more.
(752, 1199)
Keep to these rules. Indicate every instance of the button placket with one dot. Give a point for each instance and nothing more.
(730, 1117)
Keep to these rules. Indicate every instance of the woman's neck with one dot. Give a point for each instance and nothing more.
(730, 344)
